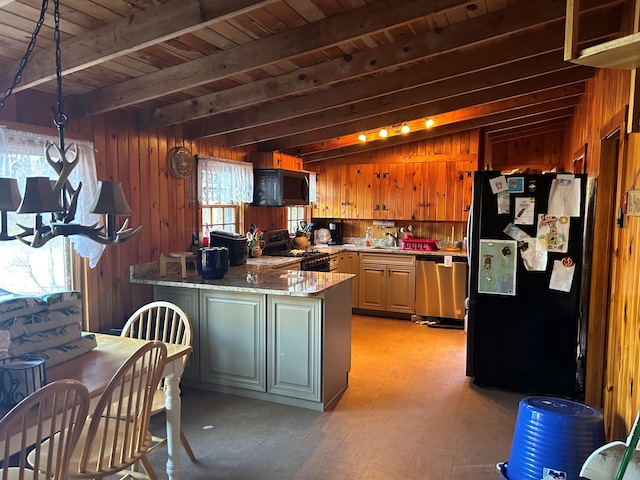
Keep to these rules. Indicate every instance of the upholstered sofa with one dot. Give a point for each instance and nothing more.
(47, 327)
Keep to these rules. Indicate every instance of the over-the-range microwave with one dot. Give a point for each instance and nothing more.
(274, 187)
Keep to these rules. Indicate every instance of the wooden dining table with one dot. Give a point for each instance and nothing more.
(96, 367)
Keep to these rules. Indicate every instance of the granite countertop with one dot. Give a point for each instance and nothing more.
(381, 249)
(252, 277)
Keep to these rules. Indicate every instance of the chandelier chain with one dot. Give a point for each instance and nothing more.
(60, 119)
(25, 58)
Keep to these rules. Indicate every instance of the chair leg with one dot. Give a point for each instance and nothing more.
(187, 447)
(148, 468)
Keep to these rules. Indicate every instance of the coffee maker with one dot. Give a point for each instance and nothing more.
(335, 229)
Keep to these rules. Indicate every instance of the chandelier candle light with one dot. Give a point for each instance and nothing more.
(58, 197)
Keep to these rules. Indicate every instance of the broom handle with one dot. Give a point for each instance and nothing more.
(633, 443)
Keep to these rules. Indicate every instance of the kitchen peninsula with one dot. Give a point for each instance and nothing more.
(262, 332)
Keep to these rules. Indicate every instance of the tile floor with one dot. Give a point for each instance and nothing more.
(409, 413)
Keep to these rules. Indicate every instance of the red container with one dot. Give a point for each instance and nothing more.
(425, 244)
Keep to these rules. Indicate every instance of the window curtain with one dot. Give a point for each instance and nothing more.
(224, 182)
(22, 156)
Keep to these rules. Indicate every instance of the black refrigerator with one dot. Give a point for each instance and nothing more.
(529, 238)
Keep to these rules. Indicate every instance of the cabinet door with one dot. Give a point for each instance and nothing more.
(187, 300)
(294, 360)
(401, 289)
(373, 283)
(232, 346)
(349, 264)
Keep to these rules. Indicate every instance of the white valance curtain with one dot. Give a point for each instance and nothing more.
(22, 156)
(224, 182)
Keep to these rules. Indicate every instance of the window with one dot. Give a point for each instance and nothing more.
(219, 217)
(223, 186)
(35, 271)
(294, 216)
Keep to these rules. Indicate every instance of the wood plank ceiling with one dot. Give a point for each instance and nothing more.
(308, 76)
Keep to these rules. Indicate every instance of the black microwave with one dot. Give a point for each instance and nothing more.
(275, 187)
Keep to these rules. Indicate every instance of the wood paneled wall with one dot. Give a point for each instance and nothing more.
(420, 176)
(542, 152)
(165, 206)
(613, 352)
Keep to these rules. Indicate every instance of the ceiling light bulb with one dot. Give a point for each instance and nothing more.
(362, 137)
(383, 133)
(405, 128)
(429, 123)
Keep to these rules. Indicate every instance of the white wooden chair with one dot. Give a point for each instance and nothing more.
(116, 435)
(56, 412)
(168, 323)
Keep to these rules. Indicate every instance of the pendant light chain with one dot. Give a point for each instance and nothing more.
(60, 119)
(25, 58)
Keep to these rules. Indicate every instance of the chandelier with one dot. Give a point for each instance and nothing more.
(58, 198)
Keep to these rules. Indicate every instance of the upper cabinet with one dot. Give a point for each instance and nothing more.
(428, 191)
(275, 160)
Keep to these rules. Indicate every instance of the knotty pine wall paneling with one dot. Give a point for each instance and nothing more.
(165, 206)
(543, 151)
(605, 97)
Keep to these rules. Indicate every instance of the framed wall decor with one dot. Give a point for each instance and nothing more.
(181, 162)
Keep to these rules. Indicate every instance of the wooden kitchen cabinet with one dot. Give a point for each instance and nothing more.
(233, 329)
(425, 191)
(293, 348)
(350, 263)
(387, 282)
(187, 300)
(275, 160)
(334, 262)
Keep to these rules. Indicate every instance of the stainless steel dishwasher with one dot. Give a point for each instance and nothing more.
(441, 290)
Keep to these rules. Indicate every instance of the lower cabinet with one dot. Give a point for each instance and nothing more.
(187, 300)
(281, 348)
(350, 263)
(233, 330)
(387, 282)
(293, 347)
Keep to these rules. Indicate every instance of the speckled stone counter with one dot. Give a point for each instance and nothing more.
(260, 275)
(383, 249)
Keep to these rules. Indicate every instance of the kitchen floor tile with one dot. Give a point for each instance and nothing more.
(410, 413)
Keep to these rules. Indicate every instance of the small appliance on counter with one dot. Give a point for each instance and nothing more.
(335, 229)
(235, 242)
(212, 262)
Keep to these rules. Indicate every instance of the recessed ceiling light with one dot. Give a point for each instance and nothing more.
(383, 133)
(405, 128)
(362, 137)
(429, 123)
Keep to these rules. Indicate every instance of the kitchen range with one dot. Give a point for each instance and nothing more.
(278, 244)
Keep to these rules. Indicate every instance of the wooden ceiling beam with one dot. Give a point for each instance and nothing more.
(315, 36)
(134, 32)
(526, 100)
(392, 55)
(441, 130)
(477, 87)
(526, 131)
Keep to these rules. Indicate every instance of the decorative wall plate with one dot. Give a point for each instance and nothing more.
(181, 162)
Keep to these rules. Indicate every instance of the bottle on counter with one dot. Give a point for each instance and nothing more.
(205, 236)
(368, 238)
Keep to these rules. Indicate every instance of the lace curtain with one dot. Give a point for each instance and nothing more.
(22, 156)
(224, 182)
